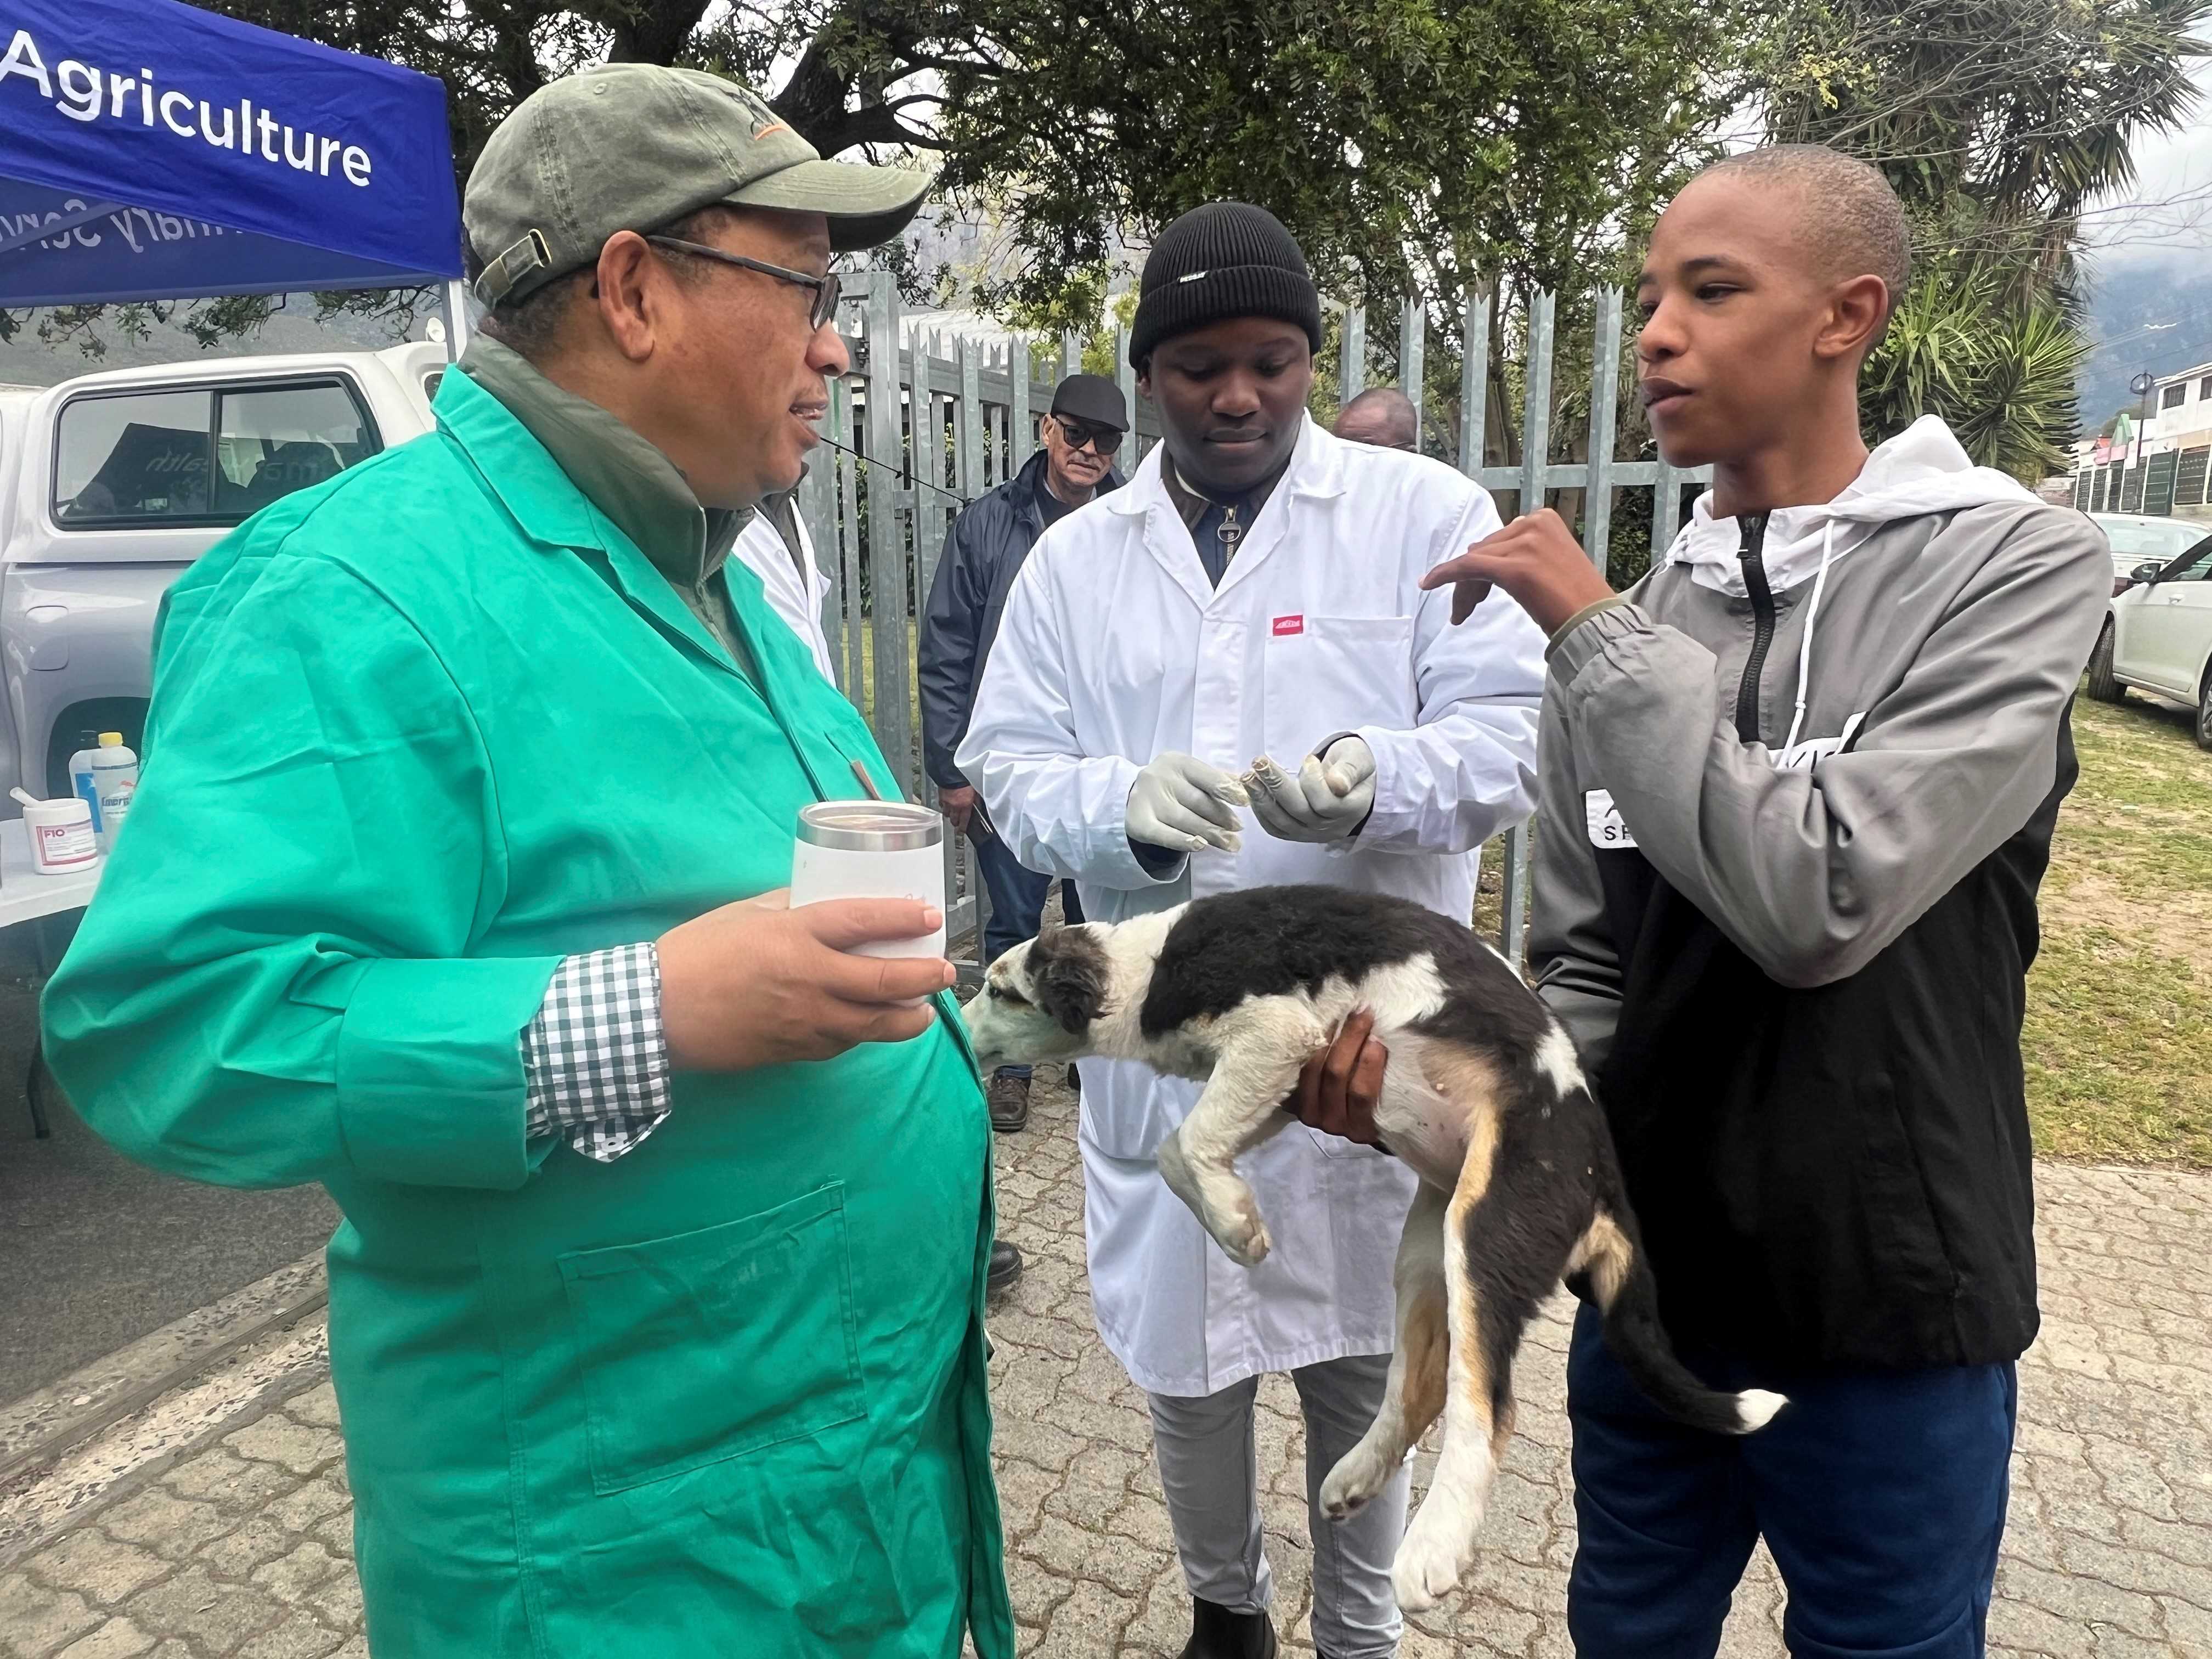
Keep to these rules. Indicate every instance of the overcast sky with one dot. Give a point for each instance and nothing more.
(2168, 214)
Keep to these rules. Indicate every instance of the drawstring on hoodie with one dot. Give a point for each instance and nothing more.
(1805, 646)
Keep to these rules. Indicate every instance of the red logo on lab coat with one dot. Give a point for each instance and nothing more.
(1289, 625)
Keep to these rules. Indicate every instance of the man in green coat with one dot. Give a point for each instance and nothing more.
(452, 884)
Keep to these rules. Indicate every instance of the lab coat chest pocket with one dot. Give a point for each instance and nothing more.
(709, 1345)
(1324, 675)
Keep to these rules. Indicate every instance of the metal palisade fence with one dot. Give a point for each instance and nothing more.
(2156, 484)
(938, 422)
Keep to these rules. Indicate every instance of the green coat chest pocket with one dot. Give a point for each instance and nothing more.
(710, 1345)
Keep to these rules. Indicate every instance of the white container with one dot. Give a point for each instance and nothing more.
(81, 785)
(60, 833)
(114, 782)
(872, 849)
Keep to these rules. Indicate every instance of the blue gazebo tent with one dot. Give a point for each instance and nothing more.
(151, 150)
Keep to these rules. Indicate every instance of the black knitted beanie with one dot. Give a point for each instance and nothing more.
(1224, 260)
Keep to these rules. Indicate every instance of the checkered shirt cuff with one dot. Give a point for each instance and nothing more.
(596, 1057)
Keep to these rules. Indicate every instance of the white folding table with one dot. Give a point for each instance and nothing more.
(27, 896)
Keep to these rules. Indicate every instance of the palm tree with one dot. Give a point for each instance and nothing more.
(1999, 123)
(1999, 367)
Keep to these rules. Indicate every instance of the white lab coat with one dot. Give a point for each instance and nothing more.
(796, 596)
(1114, 647)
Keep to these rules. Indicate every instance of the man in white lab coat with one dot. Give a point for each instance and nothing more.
(775, 547)
(1253, 590)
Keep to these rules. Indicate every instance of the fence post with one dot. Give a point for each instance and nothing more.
(1351, 355)
(970, 418)
(887, 596)
(1413, 340)
(1666, 507)
(1536, 410)
(1024, 419)
(1605, 391)
(831, 531)
(928, 522)
(847, 531)
(1474, 378)
(1125, 371)
(1536, 457)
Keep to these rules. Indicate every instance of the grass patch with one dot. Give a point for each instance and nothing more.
(2120, 1010)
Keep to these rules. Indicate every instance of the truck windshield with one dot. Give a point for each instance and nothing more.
(215, 456)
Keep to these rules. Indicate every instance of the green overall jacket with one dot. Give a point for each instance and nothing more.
(418, 733)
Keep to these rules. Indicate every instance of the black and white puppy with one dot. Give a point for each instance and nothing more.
(1482, 1098)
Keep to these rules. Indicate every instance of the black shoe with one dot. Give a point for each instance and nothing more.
(1074, 1080)
(1009, 1101)
(1217, 1634)
(1006, 1268)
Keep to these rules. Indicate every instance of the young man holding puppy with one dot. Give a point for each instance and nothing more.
(1254, 590)
(1798, 791)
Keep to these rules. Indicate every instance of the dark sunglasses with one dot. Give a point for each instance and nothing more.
(826, 289)
(1104, 439)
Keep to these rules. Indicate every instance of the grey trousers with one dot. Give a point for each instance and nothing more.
(1209, 1470)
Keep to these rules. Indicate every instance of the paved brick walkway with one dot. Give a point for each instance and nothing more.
(243, 1548)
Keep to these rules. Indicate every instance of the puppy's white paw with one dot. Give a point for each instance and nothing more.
(1437, 1549)
(1359, 1475)
(1225, 1208)
(1242, 1235)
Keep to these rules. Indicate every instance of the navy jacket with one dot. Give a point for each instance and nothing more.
(990, 540)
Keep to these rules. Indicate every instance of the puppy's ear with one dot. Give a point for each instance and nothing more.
(1067, 977)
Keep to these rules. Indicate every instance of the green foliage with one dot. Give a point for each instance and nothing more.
(1419, 144)
(1998, 122)
(2026, 107)
(1998, 367)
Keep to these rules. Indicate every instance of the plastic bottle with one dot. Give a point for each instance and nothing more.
(81, 783)
(115, 779)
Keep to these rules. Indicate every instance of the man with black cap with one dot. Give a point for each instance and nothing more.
(991, 538)
(1245, 621)
(656, 1316)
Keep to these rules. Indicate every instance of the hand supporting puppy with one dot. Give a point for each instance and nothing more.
(1327, 798)
(1338, 1087)
(1181, 802)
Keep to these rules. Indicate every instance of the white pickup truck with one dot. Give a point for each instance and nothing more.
(112, 483)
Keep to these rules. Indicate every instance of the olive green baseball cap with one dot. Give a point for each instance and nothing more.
(637, 146)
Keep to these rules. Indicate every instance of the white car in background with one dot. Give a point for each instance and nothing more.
(112, 483)
(2138, 539)
(2158, 637)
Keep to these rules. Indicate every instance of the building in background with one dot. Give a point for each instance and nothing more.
(2155, 464)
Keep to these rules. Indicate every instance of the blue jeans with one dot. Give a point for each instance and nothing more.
(1881, 1494)
(1018, 897)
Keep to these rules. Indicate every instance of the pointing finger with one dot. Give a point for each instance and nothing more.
(1465, 596)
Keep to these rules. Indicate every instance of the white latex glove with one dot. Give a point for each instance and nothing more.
(1325, 799)
(1181, 802)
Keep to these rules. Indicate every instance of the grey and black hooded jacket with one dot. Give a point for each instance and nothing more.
(1798, 789)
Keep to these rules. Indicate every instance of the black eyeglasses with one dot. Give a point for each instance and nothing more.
(826, 289)
(1101, 439)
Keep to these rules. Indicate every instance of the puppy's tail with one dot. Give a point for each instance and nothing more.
(1610, 1260)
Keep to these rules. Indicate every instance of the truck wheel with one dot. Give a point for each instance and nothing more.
(2102, 686)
